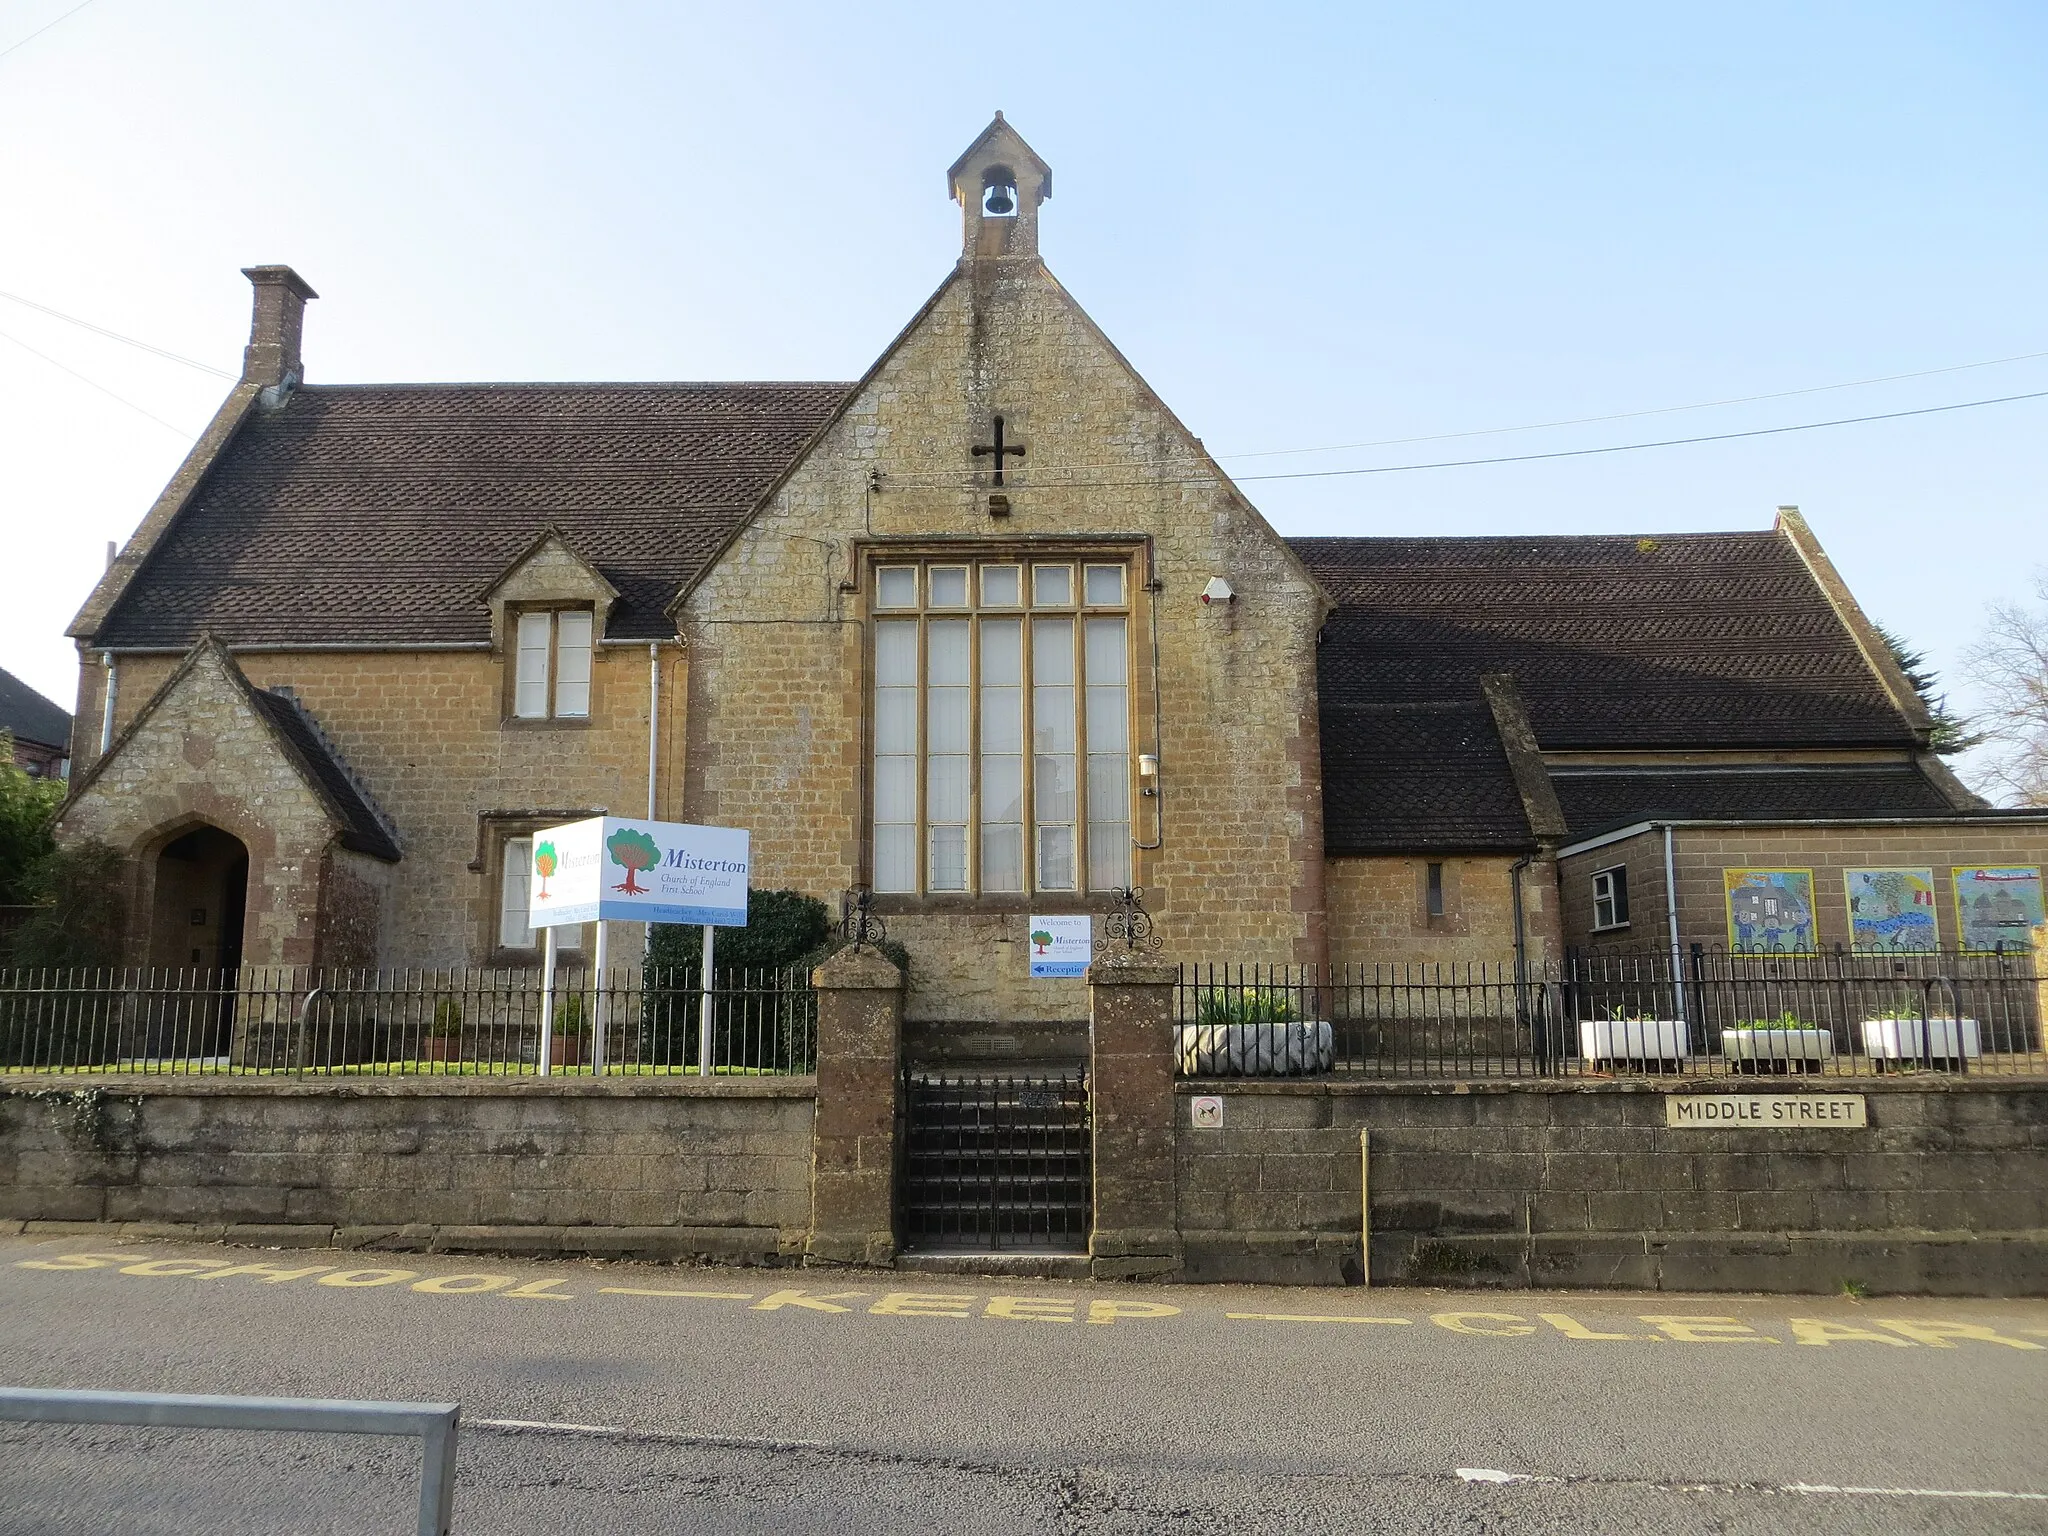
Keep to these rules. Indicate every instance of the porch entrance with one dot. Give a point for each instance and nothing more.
(996, 1162)
(201, 903)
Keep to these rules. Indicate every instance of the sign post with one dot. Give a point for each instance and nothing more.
(613, 867)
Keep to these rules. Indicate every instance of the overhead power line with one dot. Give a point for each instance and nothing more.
(95, 384)
(970, 477)
(1670, 442)
(101, 330)
(1662, 410)
(39, 31)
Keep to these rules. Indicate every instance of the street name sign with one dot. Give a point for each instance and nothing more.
(1766, 1111)
(617, 867)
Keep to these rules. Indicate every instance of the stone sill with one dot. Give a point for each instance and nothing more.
(1325, 1087)
(168, 1085)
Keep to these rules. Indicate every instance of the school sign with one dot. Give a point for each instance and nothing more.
(611, 868)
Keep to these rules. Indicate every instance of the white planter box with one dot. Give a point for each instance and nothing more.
(1255, 1050)
(1789, 1045)
(1901, 1040)
(1635, 1040)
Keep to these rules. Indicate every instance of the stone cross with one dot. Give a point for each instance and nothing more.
(998, 449)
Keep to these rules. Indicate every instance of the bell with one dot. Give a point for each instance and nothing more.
(1000, 200)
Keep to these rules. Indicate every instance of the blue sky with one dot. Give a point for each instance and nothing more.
(1306, 225)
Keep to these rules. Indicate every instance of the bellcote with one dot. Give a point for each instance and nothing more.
(999, 183)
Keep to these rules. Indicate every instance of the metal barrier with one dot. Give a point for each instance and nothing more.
(434, 1423)
(995, 1161)
(304, 1021)
(1700, 1012)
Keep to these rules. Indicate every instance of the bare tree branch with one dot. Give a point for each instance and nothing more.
(2010, 666)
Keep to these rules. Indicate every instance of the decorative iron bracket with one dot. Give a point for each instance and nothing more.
(857, 922)
(1129, 925)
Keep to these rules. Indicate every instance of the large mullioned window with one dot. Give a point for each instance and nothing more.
(1002, 754)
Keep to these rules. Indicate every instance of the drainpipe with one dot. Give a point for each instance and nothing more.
(1671, 916)
(1521, 941)
(653, 721)
(113, 693)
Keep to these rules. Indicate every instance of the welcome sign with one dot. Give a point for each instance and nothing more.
(611, 868)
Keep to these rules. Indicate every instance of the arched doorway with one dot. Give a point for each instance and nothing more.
(202, 895)
(201, 901)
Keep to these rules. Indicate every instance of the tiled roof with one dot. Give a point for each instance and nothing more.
(1416, 778)
(381, 513)
(361, 827)
(1599, 800)
(28, 716)
(1682, 640)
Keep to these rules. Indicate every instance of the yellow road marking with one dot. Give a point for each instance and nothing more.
(1460, 1322)
(642, 1290)
(1317, 1317)
(1111, 1311)
(824, 1302)
(924, 1304)
(1943, 1335)
(1814, 1330)
(446, 1285)
(541, 1290)
(1705, 1330)
(1031, 1309)
(1903, 1333)
(1573, 1329)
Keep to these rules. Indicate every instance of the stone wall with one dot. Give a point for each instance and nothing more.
(669, 1169)
(1511, 1184)
(427, 734)
(1700, 854)
(1379, 912)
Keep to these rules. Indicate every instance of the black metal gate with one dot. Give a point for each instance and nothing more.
(996, 1162)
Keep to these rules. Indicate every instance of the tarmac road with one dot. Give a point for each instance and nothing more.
(629, 1399)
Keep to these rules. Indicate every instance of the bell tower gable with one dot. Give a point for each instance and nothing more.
(999, 183)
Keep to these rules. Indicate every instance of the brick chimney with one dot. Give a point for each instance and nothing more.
(272, 358)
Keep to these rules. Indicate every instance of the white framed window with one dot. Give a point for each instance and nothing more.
(515, 900)
(551, 664)
(1002, 739)
(1610, 898)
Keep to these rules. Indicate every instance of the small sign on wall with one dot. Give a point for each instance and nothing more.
(1205, 1111)
(1767, 1111)
(1062, 946)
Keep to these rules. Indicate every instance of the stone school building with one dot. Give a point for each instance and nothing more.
(988, 633)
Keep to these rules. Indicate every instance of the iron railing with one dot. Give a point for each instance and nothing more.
(391, 1023)
(1700, 1012)
(996, 1161)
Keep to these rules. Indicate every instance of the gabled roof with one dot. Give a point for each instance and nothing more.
(27, 716)
(378, 514)
(1419, 777)
(1675, 641)
(361, 825)
(1597, 800)
(362, 828)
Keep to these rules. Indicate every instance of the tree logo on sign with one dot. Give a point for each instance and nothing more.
(633, 851)
(544, 865)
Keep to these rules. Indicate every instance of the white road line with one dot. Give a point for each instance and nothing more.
(1917, 1493)
(1490, 1475)
(621, 1432)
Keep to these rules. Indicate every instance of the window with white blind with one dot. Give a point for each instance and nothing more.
(551, 679)
(1002, 754)
(515, 885)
